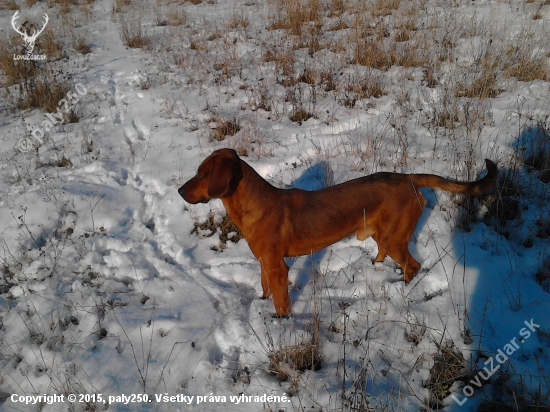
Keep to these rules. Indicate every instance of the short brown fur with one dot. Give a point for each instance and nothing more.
(280, 223)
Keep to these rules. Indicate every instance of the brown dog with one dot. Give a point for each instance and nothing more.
(281, 223)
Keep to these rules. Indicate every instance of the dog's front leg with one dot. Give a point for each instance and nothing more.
(265, 283)
(277, 277)
(275, 281)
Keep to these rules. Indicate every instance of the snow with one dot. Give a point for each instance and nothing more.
(106, 291)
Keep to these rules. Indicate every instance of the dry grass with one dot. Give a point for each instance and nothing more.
(375, 54)
(15, 71)
(65, 5)
(215, 34)
(327, 81)
(483, 86)
(309, 76)
(120, 5)
(372, 85)
(200, 44)
(300, 115)
(430, 77)
(225, 227)
(64, 162)
(370, 53)
(42, 91)
(50, 43)
(288, 361)
(294, 358)
(238, 20)
(133, 35)
(446, 113)
(310, 38)
(176, 16)
(482, 82)
(38, 82)
(82, 46)
(283, 57)
(223, 128)
(381, 8)
(528, 70)
(292, 15)
(9, 5)
(355, 90)
(524, 63)
(285, 62)
(337, 8)
(449, 366)
(338, 25)
(403, 35)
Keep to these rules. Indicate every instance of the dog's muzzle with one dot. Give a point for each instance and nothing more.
(184, 193)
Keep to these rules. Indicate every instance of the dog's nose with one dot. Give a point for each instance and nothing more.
(181, 191)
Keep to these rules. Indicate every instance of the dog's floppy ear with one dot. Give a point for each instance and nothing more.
(225, 177)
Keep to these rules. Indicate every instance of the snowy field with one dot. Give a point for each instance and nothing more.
(105, 291)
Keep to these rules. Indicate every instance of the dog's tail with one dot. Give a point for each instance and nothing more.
(467, 188)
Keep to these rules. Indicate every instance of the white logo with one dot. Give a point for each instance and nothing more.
(29, 39)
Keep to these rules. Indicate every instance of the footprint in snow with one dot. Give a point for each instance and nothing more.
(140, 128)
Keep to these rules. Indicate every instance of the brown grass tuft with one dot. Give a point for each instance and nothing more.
(337, 8)
(9, 5)
(294, 358)
(64, 162)
(309, 76)
(380, 8)
(449, 365)
(293, 14)
(300, 115)
(374, 54)
(15, 71)
(133, 35)
(238, 20)
(525, 65)
(226, 228)
(224, 128)
(82, 46)
(339, 25)
(120, 5)
(483, 86)
(176, 17)
(42, 91)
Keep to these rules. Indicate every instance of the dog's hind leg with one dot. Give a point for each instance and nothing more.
(381, 253)
(400, 254)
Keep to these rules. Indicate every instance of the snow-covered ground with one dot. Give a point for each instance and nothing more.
(105, 290)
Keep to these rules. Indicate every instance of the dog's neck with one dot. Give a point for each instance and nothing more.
(249, 199)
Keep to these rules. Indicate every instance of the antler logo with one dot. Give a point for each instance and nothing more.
(29, 39)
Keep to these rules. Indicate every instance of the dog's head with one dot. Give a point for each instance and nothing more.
(218, 177)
